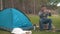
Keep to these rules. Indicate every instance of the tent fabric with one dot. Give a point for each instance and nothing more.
(12, 18)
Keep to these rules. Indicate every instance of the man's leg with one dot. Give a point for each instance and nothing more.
(50, 24)
(41, 24)
(45, 26)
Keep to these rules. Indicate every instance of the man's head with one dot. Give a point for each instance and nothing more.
(45, 9)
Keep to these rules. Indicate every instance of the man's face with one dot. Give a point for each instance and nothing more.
(44, 9)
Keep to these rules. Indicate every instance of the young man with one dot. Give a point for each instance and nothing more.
(43, 14)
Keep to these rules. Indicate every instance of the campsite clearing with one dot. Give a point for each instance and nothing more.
(35, 20)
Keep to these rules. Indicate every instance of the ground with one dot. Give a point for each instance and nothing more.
(35, 20)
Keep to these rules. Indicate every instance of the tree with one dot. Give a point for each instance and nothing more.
(34, 5)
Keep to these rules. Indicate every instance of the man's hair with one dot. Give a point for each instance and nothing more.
(43, 6)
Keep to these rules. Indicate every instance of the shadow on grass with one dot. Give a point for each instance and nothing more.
(2, 31)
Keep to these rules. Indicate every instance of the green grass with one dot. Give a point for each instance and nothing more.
(43, 32)
(35, 20)
(55, 21)
(4, 32)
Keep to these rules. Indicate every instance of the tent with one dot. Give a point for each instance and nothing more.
(12, 18)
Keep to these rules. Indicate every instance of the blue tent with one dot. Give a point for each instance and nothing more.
(12, 18)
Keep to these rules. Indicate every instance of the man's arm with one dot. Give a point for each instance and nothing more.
(41, 14)
(50, 13)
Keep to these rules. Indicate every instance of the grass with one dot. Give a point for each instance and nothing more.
(35, 20)
(55, 21)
